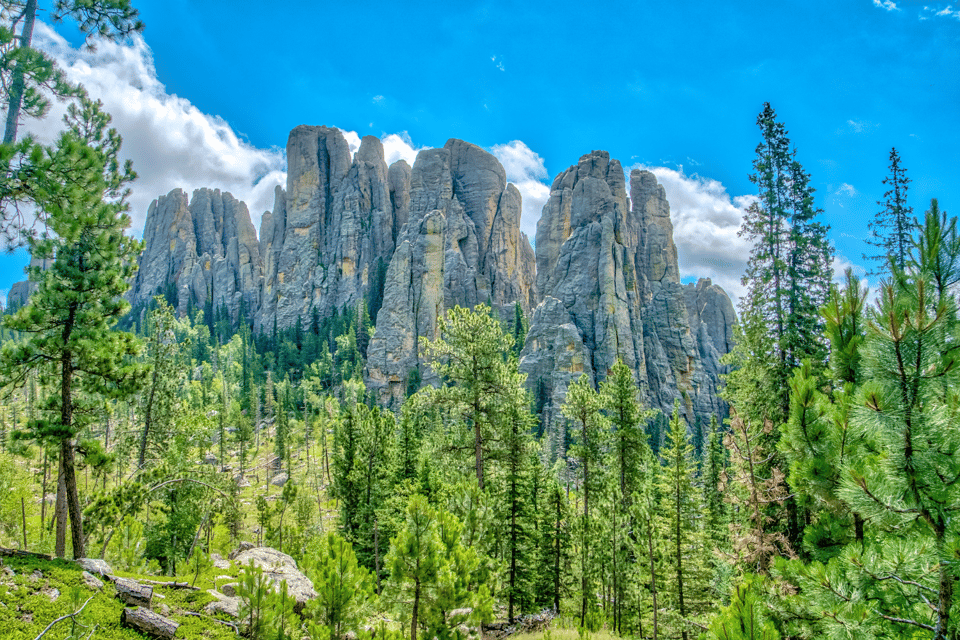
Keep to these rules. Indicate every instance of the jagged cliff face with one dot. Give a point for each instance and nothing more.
(604, 282)
(610, 285)
(461, 245)
(206, 248)
(332, 232)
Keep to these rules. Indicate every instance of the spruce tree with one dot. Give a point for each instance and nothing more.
(788, 273)
(682, 504)
(891, 229)
(583, 409)
(69, 340)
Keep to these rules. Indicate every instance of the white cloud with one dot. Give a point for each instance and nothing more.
(706, 221)
(949, 12)
(847, 190)
(377, 99)
(886, 5)
(497, 63)
(171, 142)
(399, 146)
(526, 170)
(353, 141)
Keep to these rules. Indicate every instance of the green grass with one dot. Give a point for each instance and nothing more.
(26, 608)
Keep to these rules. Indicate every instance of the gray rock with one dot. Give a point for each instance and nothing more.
(243, 546)
(91, 581)
(210, 459)
(278, 567)
(219, 562)
(224, 603)
(36, 576)
(607, 270)
(229, 589)
(460, 245)
(21, 291)
(52, 593)
(280, 479)
(96, 566)
(331, 234)
(206, 249)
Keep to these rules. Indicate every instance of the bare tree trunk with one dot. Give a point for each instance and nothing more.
(18, 84)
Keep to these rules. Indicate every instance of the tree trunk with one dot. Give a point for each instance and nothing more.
(653, 576)
(148, 622)
(60, 512)
(132, 593)
(68, 454)
(416, 610)
(18, 84)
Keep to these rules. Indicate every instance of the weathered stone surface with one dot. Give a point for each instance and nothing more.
(206, 249)
(280, 479)
(607, 270)
(96, 566)
(226, 604)
(243, 546)
(330, 236)
(461, 245)
(279, 567)
(21, 291)
(91, 580)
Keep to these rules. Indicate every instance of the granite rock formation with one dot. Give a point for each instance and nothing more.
(415, 241)
(205, 248)
(331, 234)
(610, 284)
(21, 291)
(461, 245)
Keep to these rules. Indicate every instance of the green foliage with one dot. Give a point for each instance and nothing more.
(744, 618)
(253, 589)
(480, 384)
(345, 589)
(892, 227)
(69, 342)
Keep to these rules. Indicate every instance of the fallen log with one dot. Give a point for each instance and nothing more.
(17, 553)
(133, 593)
(146, 621)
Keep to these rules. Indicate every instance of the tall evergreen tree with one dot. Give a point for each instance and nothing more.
(891, 229)
(480, 381)
(27, 79)
(682, 503)
(788, 273)
(68, 321)
(583, 408)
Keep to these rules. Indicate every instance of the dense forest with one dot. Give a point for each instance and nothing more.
(821, 507)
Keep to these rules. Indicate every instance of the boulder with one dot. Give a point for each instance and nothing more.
(278, 567)
(91, 581)
(224, 604)
(96, 566)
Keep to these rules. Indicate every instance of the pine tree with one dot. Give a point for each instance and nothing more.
(344, 589)
(160, 398)
(682, 503)
(470, 357)
(788, 273)
(415, 557)
(892, 227)
(909, 485)
(583, 408)
(629, 459)
(68, 321)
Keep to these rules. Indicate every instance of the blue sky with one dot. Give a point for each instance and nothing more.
(208, 95)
